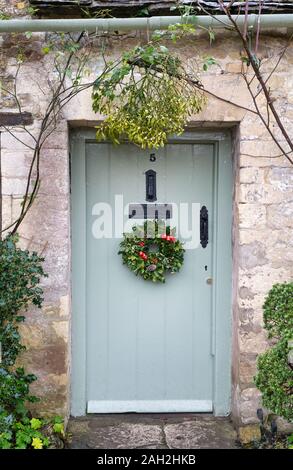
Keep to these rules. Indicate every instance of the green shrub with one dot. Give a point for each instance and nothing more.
(278, 311)
(14, 393)
(274, 376)
(20, 275)
(275, 380)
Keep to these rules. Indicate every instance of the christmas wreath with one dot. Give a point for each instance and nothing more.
(151, 250)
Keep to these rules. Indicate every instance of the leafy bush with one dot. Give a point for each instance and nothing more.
(275, 380)
(275, 376)
(14, 393)
(20, 275)
(278, 311)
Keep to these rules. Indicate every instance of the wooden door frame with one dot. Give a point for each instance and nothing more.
(221, 341)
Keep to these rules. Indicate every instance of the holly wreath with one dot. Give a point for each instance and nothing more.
(151, 251)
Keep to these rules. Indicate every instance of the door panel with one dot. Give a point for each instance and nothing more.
(148, 345)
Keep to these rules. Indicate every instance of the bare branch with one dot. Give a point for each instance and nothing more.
(266, 123)
(16, 138)
(255, 66)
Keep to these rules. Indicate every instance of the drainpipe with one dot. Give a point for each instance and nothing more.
(130, 24)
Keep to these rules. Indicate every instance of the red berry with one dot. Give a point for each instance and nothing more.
(141, 243)
(143, 255)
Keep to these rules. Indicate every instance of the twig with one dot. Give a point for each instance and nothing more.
(286, 154)
(259, 77)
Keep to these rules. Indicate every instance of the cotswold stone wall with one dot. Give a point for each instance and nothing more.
(263, 203)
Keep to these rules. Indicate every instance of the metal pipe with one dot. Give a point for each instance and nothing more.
(130, 24)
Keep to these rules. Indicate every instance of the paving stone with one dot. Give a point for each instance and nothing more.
(125, 435)
(181, 431)
(201, 434)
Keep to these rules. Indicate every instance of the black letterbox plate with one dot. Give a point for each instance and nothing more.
(150, 211)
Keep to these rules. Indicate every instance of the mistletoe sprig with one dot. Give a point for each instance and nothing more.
(151, 250)
(146, 98)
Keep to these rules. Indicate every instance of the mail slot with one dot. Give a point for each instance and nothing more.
(150, 211)
(151, 185)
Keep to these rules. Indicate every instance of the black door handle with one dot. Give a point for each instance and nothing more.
(204, 226)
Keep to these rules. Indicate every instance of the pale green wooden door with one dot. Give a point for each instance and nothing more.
(148, 346)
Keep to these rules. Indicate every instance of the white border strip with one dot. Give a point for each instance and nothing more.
(150, 406)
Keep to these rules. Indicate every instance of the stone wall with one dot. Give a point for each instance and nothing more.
(263, 209)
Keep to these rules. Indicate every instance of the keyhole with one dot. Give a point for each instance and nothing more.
(153, 157)
(205, 268)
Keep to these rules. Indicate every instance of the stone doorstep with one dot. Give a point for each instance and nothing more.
(151, 431)
(163, 431)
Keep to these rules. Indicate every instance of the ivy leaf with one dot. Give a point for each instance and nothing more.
(36, 423)
(208, 62)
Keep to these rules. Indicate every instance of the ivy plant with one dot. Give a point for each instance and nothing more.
(20, 275)
(14, 394)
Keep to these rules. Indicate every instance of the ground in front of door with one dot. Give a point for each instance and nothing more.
(151, 431)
